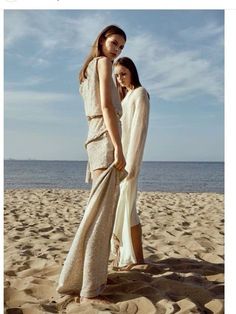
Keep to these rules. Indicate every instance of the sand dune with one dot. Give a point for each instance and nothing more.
(183, 238)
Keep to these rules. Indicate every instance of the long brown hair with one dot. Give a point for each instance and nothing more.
(128, 64)
(96, 50)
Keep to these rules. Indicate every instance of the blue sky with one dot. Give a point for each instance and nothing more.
(180, 59)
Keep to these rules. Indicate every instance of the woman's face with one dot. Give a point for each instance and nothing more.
(112, 46)
(123, 76)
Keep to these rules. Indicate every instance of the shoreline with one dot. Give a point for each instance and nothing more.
(87, 190)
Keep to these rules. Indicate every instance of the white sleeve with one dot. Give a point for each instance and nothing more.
(139, 127)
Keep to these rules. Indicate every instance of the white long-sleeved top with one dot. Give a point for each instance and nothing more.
(134, 122)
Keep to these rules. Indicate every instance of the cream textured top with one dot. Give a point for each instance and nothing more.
(90, 92)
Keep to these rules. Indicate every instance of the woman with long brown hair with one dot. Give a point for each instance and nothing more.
(85, 268)
(127, 233)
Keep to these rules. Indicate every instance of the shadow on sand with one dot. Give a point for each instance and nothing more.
(173, 279)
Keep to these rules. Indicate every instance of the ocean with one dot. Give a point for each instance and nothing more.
(154, 176)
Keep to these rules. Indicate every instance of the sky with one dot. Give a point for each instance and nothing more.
(179, 55)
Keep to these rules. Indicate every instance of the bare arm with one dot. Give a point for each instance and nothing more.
(109, 114)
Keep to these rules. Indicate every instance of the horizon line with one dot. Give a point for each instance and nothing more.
(75, 160)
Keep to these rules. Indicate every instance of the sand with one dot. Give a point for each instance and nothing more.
(183, 239)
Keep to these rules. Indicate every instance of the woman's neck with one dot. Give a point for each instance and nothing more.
(129, 88)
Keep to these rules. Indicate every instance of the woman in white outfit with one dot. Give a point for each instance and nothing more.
(127, 232)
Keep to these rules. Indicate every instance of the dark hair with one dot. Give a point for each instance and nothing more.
(96, 50)
(129, 64)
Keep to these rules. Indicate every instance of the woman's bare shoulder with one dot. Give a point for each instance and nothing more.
(104, 61)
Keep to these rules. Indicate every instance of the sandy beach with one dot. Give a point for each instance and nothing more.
(183, 239)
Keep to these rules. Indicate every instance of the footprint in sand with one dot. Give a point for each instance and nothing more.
(46, 229)
(14, 310)
(26, 253)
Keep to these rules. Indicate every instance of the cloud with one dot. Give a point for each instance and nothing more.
(15, 27)
(27, 82)
(209, 30)
(53, 30)
(33, 97)
(28, 105)
(49, 34)
(167, 71)
(173, 74)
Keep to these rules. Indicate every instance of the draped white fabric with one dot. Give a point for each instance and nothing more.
(134, 124)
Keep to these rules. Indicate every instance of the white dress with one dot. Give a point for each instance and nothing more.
(134, 123)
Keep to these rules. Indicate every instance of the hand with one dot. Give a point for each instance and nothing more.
(119, 159)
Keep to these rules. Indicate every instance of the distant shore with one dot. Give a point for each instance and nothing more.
(183, 239)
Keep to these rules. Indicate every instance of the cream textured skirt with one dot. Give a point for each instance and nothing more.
(85, 268)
